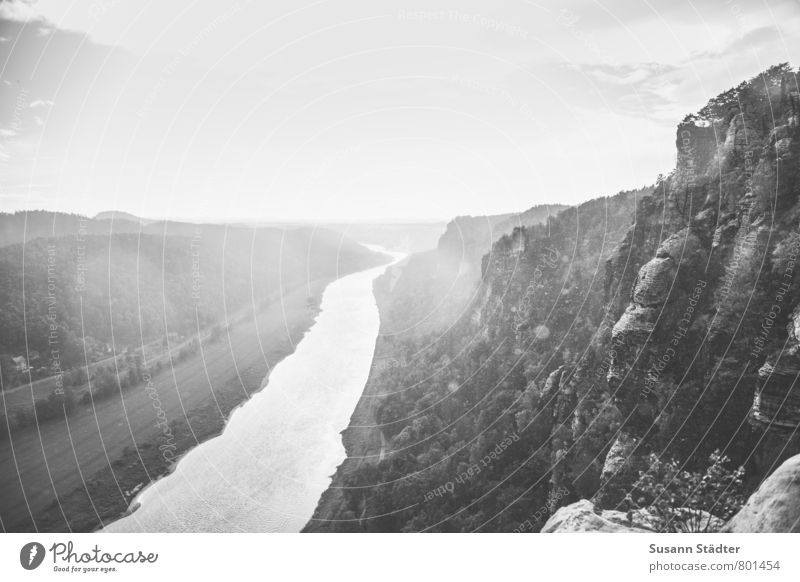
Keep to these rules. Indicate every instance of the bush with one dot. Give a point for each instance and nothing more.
(76, 377)
(133, 376)
(688, 501)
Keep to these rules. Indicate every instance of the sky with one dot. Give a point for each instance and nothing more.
(359, 110)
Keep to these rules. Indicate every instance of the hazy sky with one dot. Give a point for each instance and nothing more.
(286, 110)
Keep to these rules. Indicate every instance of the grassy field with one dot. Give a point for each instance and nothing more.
(76, 473)
(25, 395)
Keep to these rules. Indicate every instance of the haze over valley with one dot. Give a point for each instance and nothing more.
(353, 268)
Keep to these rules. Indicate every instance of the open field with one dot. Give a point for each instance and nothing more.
(25, 395)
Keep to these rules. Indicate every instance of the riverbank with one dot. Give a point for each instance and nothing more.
(275, 457)
(363, 440)
(77, 474)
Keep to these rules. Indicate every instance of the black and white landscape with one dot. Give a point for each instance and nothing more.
(353, 267)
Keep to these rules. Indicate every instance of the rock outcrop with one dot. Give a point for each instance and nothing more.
(775, 506)
(777, 400)
(697, 330)
(620, 471)
(726, 265)
(582, 517)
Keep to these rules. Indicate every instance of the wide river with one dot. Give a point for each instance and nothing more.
(276, 456)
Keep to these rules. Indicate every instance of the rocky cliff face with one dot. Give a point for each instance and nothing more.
(428, 296)
(658, 321)
(703, 354)
(707, 325)
(471, 237)
(433, 289)
(775, 507)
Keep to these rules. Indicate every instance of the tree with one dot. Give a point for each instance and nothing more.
(690, 501)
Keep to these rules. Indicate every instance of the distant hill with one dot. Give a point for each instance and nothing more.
(119, 215)
(28, 225)
(406, 237)
(473, 236)
(436, 285)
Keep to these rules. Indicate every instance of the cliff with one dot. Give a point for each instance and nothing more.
(656, 325)
(775, 506)
(427, 295)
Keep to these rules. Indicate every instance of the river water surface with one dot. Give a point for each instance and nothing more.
(276, 456)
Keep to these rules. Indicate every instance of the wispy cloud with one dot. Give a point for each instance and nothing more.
(633, 74)
(19, 10)
(757, 37)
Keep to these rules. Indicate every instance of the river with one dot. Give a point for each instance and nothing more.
(279, 450)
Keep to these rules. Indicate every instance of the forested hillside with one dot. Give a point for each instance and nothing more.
(82, 290)
(655, 324)
(437, 286)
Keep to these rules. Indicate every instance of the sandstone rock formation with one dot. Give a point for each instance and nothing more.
(620, 471)
(775, 506)
(581, 517)
(777, 400)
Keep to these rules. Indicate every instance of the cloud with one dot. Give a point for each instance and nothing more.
(18, 10)
(760, 37)
(40, 103)
(644, 89)
(7, 133)
(628, 74)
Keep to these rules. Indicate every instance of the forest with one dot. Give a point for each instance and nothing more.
(108, 307)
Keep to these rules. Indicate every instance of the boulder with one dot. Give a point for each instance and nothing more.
(581, 517)
(775, 506)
